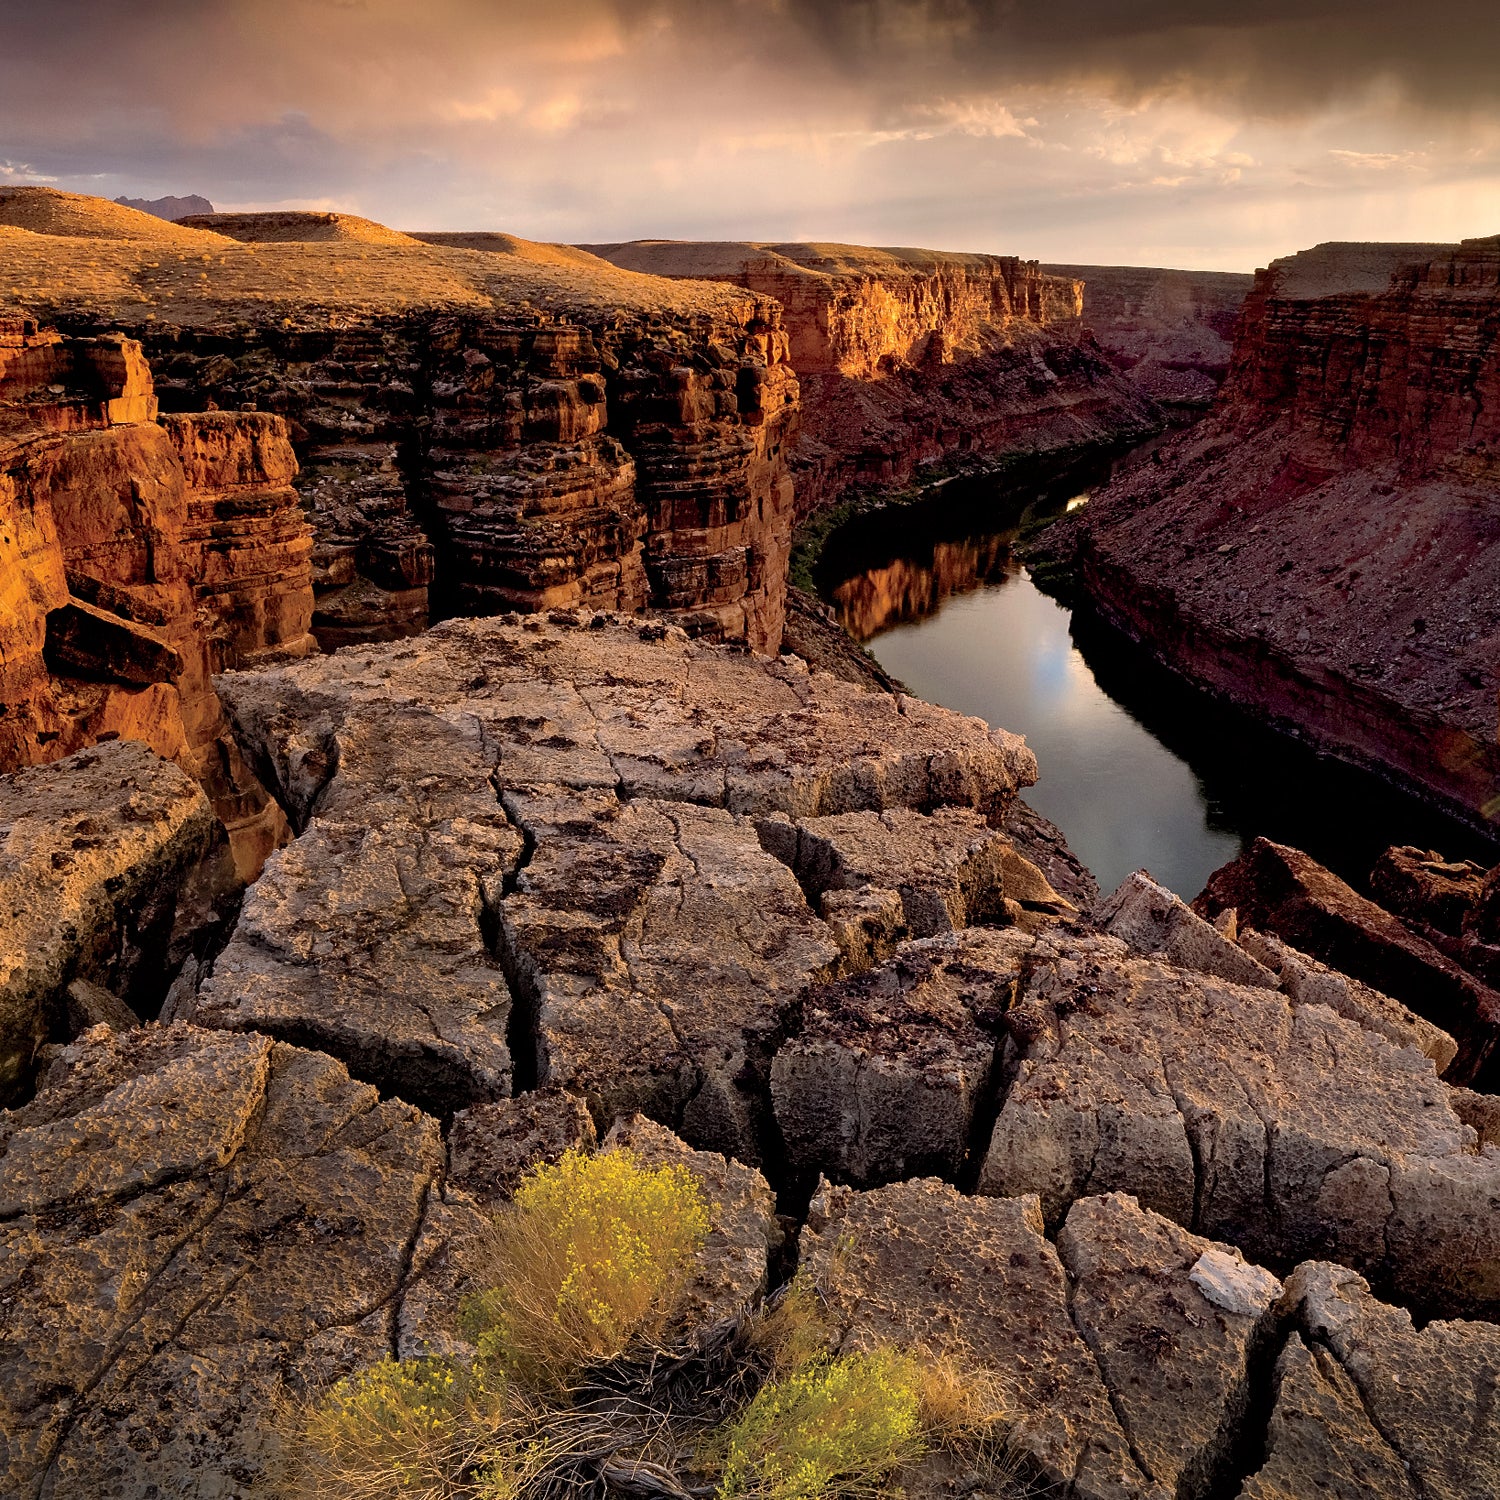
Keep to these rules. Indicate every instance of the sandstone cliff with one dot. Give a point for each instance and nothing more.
(481, 425)
(1170, 331)
(1325, 548)
(911, 359)
(144, 557)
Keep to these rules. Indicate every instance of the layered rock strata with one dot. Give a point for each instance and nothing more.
(911, 359)
(491, 424)
(1171, 332)
(1322, 549)
(145, 556)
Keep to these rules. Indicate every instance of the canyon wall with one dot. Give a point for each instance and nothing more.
(142, 558)
(1325, 548)
(917, 360)
(1170, 331)
(481, 426)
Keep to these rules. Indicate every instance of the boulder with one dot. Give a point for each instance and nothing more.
(1177, 1324)
(193, 1224)
(1320, 1442)
(1285, 892)
(1281, 1128)
(1426, 890)
(1151, 920)
(97, 853)
(891, 1069)
(1430, 1391)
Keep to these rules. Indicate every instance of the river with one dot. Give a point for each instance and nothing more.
(1139, 770)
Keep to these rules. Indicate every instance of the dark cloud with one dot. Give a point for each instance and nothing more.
(1124, 129)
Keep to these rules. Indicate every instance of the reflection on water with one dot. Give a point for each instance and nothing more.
(1136, 769)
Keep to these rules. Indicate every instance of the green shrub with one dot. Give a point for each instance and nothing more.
(836, 1426)
(592, 1253)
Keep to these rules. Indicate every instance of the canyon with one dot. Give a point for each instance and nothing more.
(1322, 548)
(919, 364)
(406, 786)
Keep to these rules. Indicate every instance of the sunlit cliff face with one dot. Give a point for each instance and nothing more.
(1191, 132)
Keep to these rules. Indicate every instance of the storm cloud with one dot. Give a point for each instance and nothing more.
(1123, 130)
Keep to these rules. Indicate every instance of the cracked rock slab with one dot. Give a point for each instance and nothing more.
(366, 936)
(94, 853)
(1320, 1444)
(157, 1302)
(598, 701)
(1282, 891)
(1309, 982)
(889, 1069)
(1175, 1352)
(1433, 1394)
(1150, 920)
(917, 1264)
(1283, 1129)
(661, 952)
(491, 1147)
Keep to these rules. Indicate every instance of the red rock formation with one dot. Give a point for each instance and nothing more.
(1325, 548)
(910, 359)
(144, 557)
(855, 311)
(1171, 332)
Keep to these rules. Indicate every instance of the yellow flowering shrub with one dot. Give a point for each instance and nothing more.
(398, 1427)
(836, 1426)
(592, 1253)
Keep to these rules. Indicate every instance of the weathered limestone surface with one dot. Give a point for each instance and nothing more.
(366, 936)
(886, 1076)
(661, 951)
(946, 870)
(1282, 1128)
(190, 1221)
(97, 854)
(1431, 1394)
(1176, 1324)
(492, 1146)
(1152, 921)
(1309, 982)
(575, 800)
(1320, 1441)
(1285, 892)
(920, 1265)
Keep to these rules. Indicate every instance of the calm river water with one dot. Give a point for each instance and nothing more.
(1138, 770)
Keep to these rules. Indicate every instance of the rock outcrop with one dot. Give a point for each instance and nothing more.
(105, 869)
(914, 360)
(1323, 548)
(549, 830)
(1286, 893)
(144, 557)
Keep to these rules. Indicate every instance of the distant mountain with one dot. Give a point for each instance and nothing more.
(170, 208)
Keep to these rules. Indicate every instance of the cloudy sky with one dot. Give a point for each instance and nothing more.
(1209, 133)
